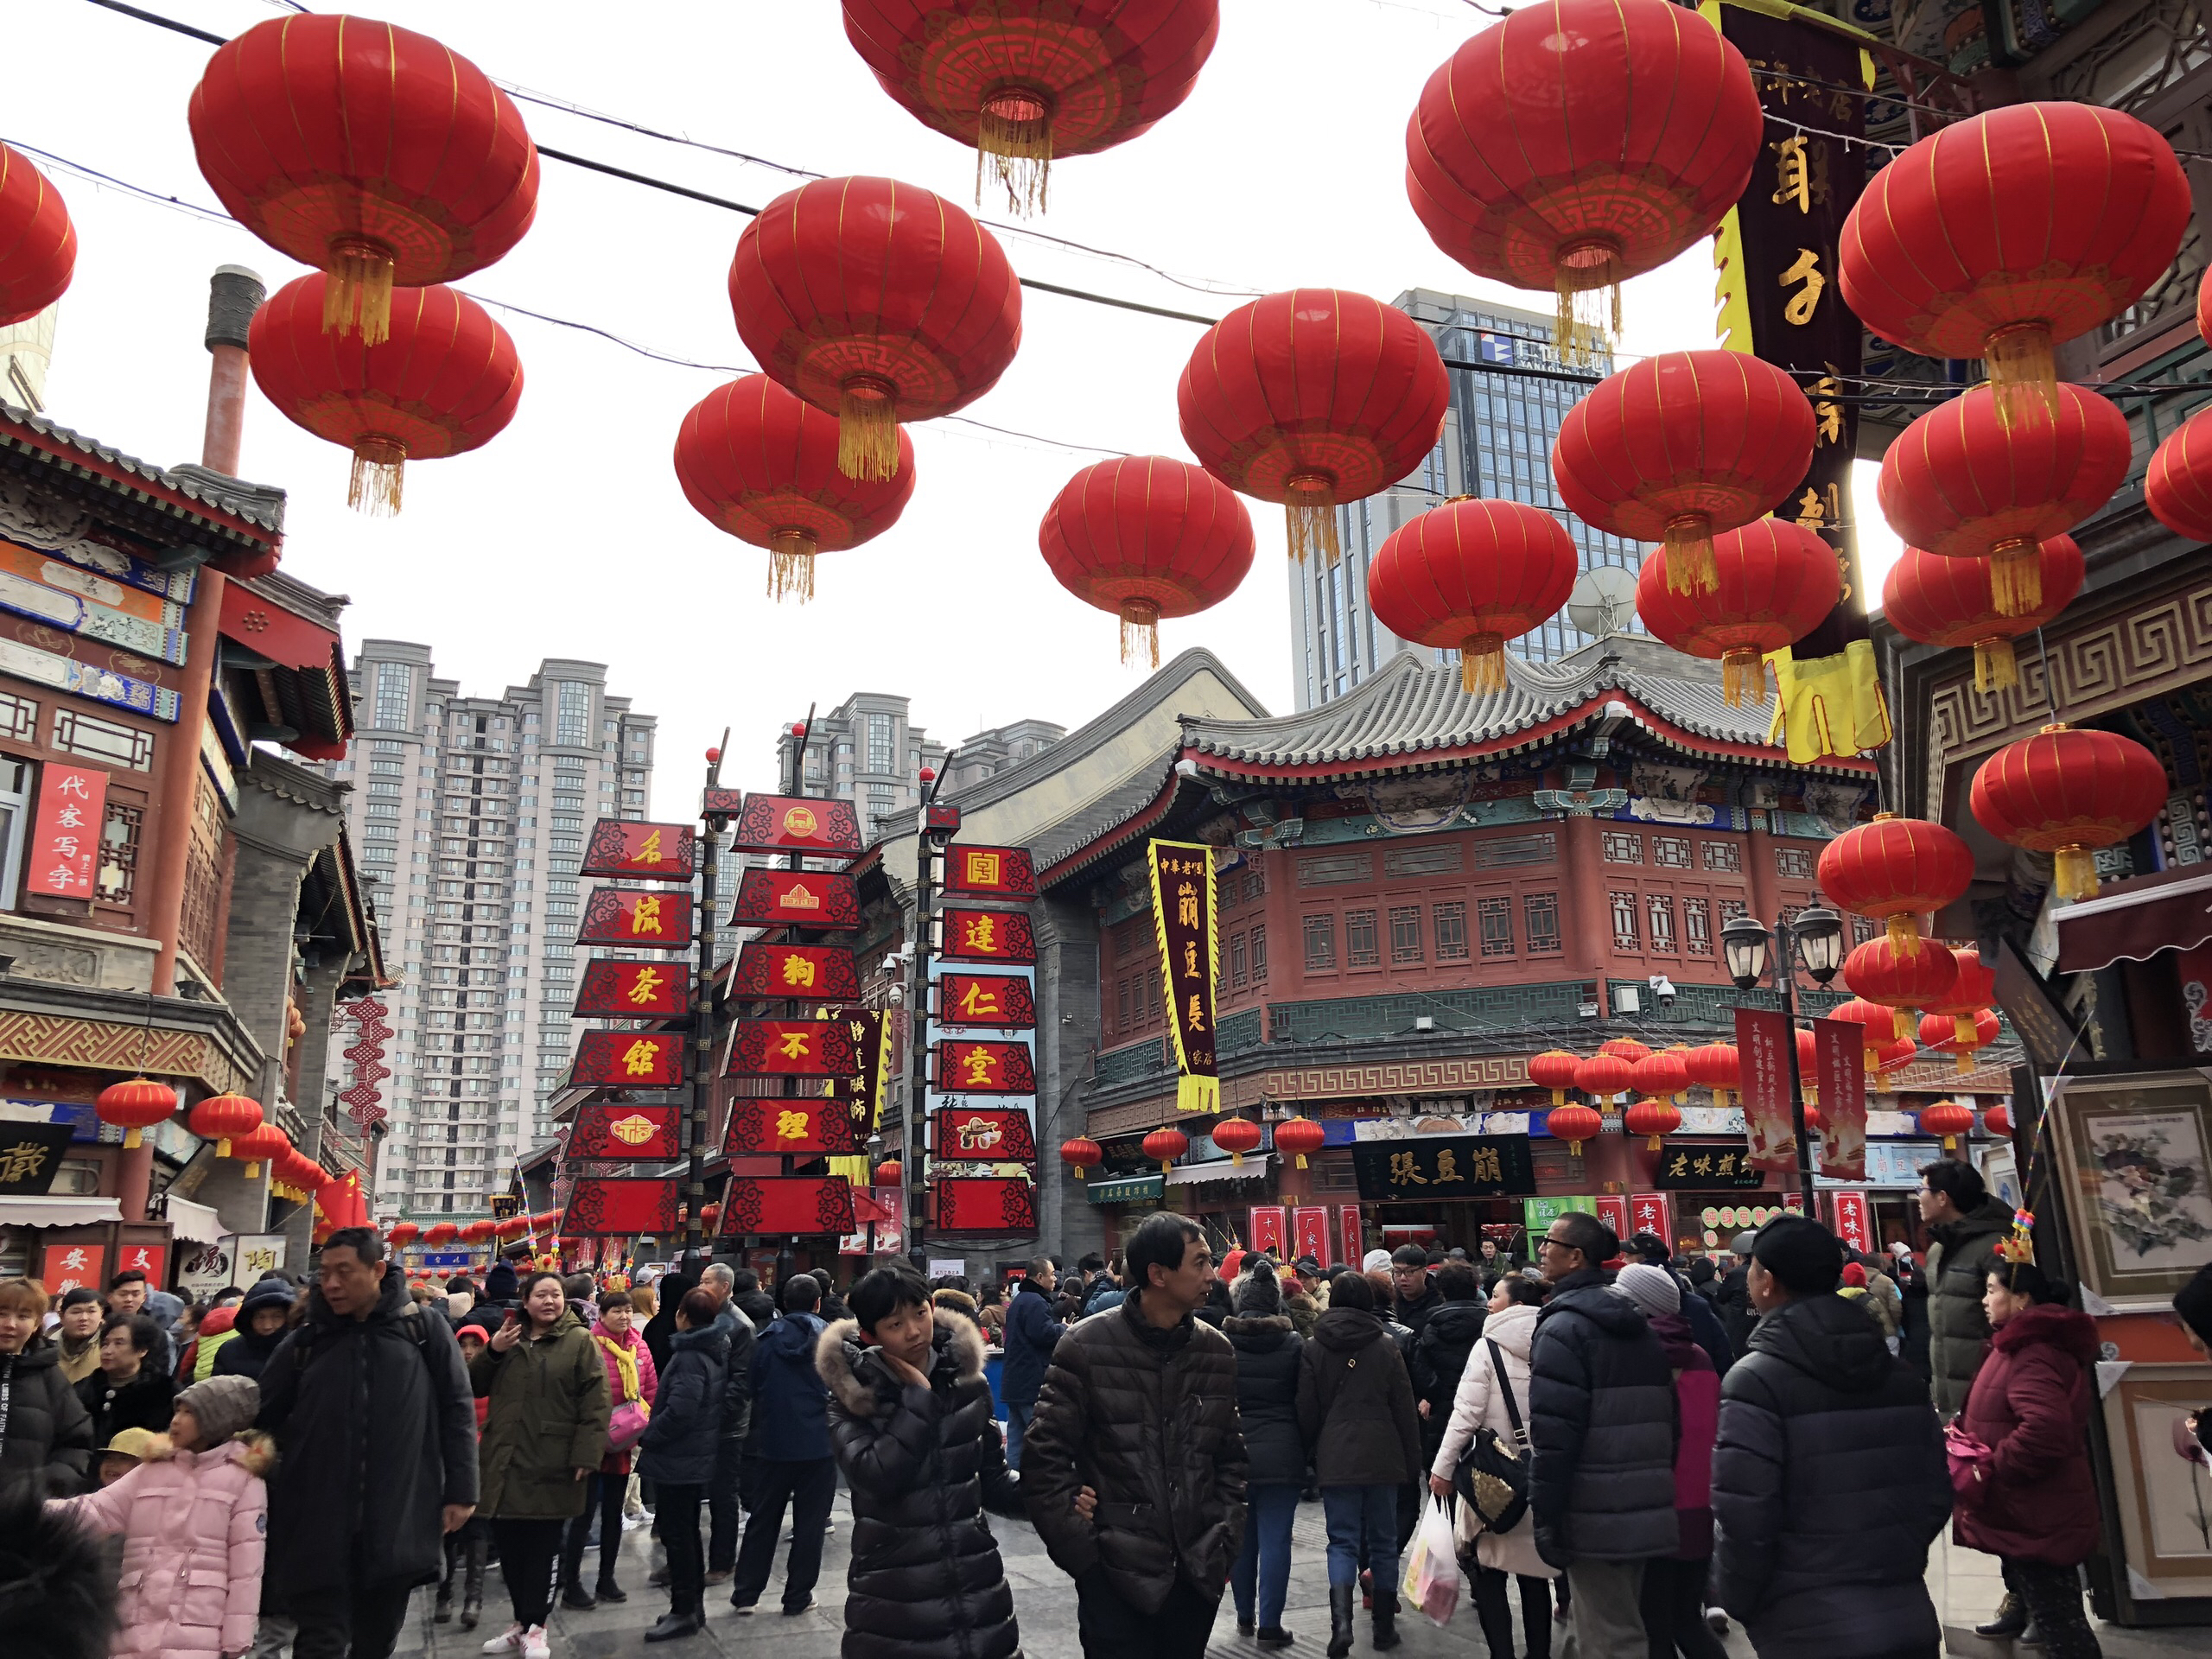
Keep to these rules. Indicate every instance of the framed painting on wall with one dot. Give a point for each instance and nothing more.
(2135, 1159)
(2164, 1488)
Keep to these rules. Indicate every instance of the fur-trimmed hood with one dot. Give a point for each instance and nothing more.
(839, 1355)
(1253, 1325)
(253, 1451)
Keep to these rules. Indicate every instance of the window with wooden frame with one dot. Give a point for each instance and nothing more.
(1259, 956)
(1405, 933)
(1659, 907)
(1320, 944)
(1628, 925)
(1360, 949)
(1450, 921)
(1540, 923)
(1236, 960)
(1697, 927)
(1494, 924)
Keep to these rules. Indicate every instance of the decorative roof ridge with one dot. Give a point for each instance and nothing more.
(259, 505)
(272, 772)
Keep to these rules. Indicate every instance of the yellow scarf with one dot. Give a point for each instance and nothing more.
(626, 1362)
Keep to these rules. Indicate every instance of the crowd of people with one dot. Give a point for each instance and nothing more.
(1632, 1451)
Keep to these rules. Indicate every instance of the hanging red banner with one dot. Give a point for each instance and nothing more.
(1004, 1002)
(63, 854)
(1611, 1208)
(797, 823)
(659, 921)
(1309, 1234)
(980, 1135)
(1853, 1225)
(975, 1067)
(787, 1204)
(1270, 1225)
(1764, 1043)
(792, 1048)
(629, 1059)
(633, 990)
(1184, 920)
(65, 1268)
(989, 872)
(805, 1126)
(1351, 1235)
(823, 899)
(1652, 1213)
(602, 1205)
(991, 1204)
(652, 852)
(620, 1134)
(987, 936)
(799, 971)
(1839, 1065)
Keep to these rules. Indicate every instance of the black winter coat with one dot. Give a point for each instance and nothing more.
(790, 1407)
(146, 1401)
(1706, 1328)
(376, 1433)
(1414, 1314)
(1146, 1419)
(1826, 1442)
(1603, 1422)
(686, 1426)
(247, 1355)
(922, 1464)
(1267, 1368)
(1031, 1335)
(1958, 1330)
(671, 1290)
(1732, 1301)
(1435, 1360)
(46, 1434)
(1356, 1403)
(737, 1387)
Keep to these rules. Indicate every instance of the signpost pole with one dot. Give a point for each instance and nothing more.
(702, 1017)
(928, 867)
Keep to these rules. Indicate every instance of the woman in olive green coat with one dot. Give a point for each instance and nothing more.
(544, 1434)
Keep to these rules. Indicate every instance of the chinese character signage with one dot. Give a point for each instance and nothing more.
(1839, 1065)
(1652, 1213)
(792, 1048)
(65, 1267)
(1000, 1001)
(1726, 1168)
(660, 921)
(987, 936)
(64, 854)
(633, 991)
(653, 852)
(991, 1204)
(152, 1260)
(989, 872)
(30, 1157)
(869, 1029)
(978, 1134)
(787, 1204)
(970, 1067)
(1309, 1230)
(795, 824)
(1183, 913)
(803, 1126)
(800, 971)
(622, 1134)
(797, 898)
(1352, 1233)
(1445, 1167)
(1764, 1043)
(602, 1205)
(1270, 1232)
(1852, 1224)
(629, 1059)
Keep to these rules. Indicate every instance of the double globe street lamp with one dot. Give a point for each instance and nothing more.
(1813, 940)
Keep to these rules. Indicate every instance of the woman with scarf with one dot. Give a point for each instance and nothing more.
(631, 1381)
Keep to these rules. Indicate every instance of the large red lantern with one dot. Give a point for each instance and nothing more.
(1662, 1074)
(1081, 1153)
(1580, 142)
(2177, 486)
(1876, 1023)
(1949, 1119)
(1025, 80)
(224, 1119)
(1973, 991)
(1470, 575)
(400, 1233)
(1167, 1145)
(2067, 793)
(1554, 1069)
(1946, 602)
(1997, 1121)
(760, 464)
(1655, 1119)
(1891, 1056)
(267, 1144)
(441, 1232)
(890, 1172)
(1895, 870)
(1312, 398)
(1962, 483)
(1603, 1076)
(477, 1232)
(38, 245)
(516, 1226)
(1774, 582)
(1808, 1069)
(1298, 1136)
(1717, 1066)
(134, 1104)
(1681, 447)
(367, 151)
(1572, 1124)
(443, 380)
(1999, 236)
(877, 303)
(1144, 538)
(1627, 1047)
(1961, 1035)
(1880, 972)
(1237, 1136)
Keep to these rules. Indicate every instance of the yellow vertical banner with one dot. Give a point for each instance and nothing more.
(1185, 921)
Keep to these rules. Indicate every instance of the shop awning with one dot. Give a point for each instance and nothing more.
(1129, 1189)
(68, 1211)
(1254, 1167)
(2136, 923)
(196, 1222)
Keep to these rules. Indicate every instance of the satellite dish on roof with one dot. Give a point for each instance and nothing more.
(1603, 600)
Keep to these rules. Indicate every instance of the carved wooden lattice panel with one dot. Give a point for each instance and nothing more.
(207, 874)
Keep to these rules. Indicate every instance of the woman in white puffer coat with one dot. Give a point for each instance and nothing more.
(1489, 1557)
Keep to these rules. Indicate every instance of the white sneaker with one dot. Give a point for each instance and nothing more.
(534, 1644)
(507, 1641)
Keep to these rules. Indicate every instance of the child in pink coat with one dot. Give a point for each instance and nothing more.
(194, 1518)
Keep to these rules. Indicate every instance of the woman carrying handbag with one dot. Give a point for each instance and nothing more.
(631, 1383)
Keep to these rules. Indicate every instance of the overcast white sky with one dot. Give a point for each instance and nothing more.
(568, 535)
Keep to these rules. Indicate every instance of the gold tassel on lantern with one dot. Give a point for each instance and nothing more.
(1310, 499)
(791, 565)
(357, 291)
(867, 429)
(2016, 577)
(1965, 1067)
(1690, 569)
(2023, 371)
(2073, 873)
(1482, 664)
(1903, 931)
(379, 474)
(1587, 289)
(1995, 666)
(1743, 677)
(1140, 631)
(1013, 138)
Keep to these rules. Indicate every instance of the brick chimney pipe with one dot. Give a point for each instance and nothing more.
(234, 295)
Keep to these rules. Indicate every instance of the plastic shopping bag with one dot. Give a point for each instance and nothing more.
(1431, 1581)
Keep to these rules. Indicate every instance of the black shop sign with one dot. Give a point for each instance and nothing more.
(1722, 1168)
(1445, 1167)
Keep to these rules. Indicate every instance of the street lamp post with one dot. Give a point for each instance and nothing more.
(1814, 939)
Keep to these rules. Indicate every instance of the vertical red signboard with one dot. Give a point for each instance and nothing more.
(1840, 1058)
(1309, 1233)
(1763, 1040)
(1852, 1224)
(1351, 1241)
(64, 854)
(1270, 1225)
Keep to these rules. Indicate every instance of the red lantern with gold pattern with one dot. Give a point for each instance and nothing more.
(1946, 602)
(1026, 80)
(1775, 582)
(878, 302)
(367, 151)
(1312, 398)
(2068, 793)
(1961, 1035)
(1146, 536)
(1572, 1124)
(400, 1233)
(1895, 870)
(1880, 972)
(38, 245)
(1468, 576)
(762, 465)
(1655, 1119)
(1167, 1146)
(1716, 1066)
(1603, 1076)
(1580, 142)
(1999, 236)
(1298, 1136)
(1237, 1136)
(267, 1144)
(2178, 488)
(1554, 1069)
(1081, 1153)
(890, 1172)
(1682, 447)
(1960, 482)
(1877, 1022)
(1973, 990)
(224, 1119)
(1949, 1119)
(1627, 1047)
(134, 1104)
(1662, 1074)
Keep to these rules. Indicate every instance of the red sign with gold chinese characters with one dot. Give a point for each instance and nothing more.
(792, 1048)
(797, 898)
(655, 852)
(797, 823)
(990, 1203)
(996, 999)
(633, 991)
(620, 1134)
(981, 1068)
(800, 971)
(790, 1204)
(980, 1135)
(987, 936)
(991, 871)
(629, 1059)
(808, 1125)
(660, 921)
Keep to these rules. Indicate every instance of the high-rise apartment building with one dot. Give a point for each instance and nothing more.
(865, 751)
(470, 815)
(1497, 443)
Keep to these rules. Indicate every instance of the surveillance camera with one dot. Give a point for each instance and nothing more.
(1663, 987)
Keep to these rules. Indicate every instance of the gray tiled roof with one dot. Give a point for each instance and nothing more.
(259, 505)
(1109, 812)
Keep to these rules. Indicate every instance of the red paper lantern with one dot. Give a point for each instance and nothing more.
(38, 245)
(134, 1104)
(443, 380)
(1237, 1136)
(511, 1227)
(1627, 1047)
(890, 1172)
(1298, 1136)
(1662, 1074)
(1554, 1069)
(877, 303)
(1946, 602)
(1814, 1123)
(760, 464)
(1572, 1124)
(1717, 1066)
(1880, 972)
(1949, 1119)
(224, 1119)
(1470, 575)
(1895, 870)
(1655, 1119)
(1962, 482)
(441, 1232)
(2177, 487)
(1081, 1153)
(1775, 582)
(1893, 1055)
(1167, 1145)
(709, 1213)
(545, 1220)
(1997, 1121)
(1809, 1056)
(1999, 236)
(1025, 80)
(1603, 1076)
(367, 151)
(1877, 1021)
(400, 1233)
(2068, 793)
(1312, 398)
(1145, 537)
(1580, 142)
(1681, 447)
(1973, 990)
(268, 1144)
(1962, 1036)
(477, 1232)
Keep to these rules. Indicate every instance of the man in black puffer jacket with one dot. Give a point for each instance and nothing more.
(1825, 1440)
(1968, 1222)
(1031, 1333)
(682, 1447)
(1602, 1421)
(46, 1434)
(1134, 1466)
